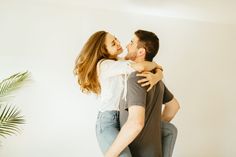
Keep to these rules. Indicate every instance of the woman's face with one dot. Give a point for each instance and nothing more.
(113, 45)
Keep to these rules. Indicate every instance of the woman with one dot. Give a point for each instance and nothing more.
(99, 71)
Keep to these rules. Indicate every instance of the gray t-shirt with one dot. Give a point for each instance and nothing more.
(148, 142)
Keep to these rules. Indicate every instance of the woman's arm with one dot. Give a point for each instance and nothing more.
(108, 68)
(145, 66)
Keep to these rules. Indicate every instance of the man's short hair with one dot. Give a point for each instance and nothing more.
(149, 41)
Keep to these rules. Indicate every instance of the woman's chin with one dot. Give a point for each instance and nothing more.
(120, 50)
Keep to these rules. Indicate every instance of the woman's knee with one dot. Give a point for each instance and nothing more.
(170, 128)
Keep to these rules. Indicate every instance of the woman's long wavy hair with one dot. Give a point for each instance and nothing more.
(86, 63)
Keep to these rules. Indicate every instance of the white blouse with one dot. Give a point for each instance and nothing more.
(112, 78)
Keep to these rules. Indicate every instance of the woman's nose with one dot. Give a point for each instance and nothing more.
(117, 42)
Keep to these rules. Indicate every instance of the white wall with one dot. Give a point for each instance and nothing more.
(44, 38)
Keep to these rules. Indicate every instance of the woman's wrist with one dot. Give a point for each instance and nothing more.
(159, 74)
(158, 67)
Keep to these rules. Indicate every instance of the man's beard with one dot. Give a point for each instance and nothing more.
(130, 56)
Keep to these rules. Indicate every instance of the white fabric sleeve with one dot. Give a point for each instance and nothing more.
(109, 68)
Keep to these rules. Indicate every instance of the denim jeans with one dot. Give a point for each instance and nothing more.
(168, 136)
(107, 128)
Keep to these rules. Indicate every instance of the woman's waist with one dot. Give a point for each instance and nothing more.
(108, 115)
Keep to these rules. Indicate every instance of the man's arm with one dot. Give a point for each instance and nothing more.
(170, 109)
(129, 131)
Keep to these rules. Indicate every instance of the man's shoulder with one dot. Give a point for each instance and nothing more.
(133, 81)
(133, 76)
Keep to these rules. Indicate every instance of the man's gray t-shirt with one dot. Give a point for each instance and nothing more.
(148, 142)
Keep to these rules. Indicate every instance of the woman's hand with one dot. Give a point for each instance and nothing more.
(150, 78)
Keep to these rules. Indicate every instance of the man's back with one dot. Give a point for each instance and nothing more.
(148, 142)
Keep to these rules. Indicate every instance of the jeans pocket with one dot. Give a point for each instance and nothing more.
(108, 123)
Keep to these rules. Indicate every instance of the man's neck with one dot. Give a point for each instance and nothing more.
(138, 60)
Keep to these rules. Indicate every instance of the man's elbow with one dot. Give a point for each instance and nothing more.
(139, 128)
(140, 125)
(176, 109)
(175, 105)
(169, 115)
(167, 118)
(137, 125)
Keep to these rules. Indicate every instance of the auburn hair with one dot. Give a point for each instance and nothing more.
(86, 63)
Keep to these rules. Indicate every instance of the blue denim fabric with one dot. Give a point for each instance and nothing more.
(107, 129)
(168, 135)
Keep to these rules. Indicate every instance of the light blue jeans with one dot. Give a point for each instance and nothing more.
(108, 127)
(168, 138)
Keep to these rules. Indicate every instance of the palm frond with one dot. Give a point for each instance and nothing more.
(10, 118)
(7, 86)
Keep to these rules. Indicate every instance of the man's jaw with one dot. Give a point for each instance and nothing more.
(130, 57)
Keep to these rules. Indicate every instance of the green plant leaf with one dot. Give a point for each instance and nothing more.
(9, 120)
(11, 84)
(10, 116)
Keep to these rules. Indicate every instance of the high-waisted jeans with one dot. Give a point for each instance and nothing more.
(108, 127)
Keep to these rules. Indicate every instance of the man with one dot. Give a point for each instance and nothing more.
(142, 130)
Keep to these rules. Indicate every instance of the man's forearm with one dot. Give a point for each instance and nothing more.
(127, 134)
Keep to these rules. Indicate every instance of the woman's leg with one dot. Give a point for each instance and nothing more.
(169, 134)
(107, 128)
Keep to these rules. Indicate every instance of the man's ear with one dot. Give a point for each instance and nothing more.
(141, 52)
